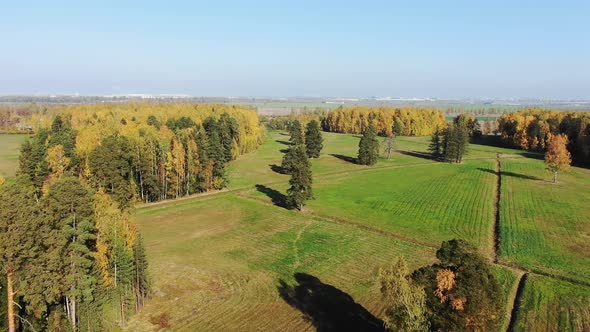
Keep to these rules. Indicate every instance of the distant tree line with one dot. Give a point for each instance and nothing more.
(137, 155)
(283, 122)
(533, 129)
(406, 121)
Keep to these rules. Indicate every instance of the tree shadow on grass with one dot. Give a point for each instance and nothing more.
(327, 307)
(516, 175)
(417, 154)
(276, 196)
(283, 142)
(278, 169)
(343, 157)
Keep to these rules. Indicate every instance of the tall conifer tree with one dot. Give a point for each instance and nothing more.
(301, 179)
(19, 225)
(313, 139)
(296, 133)
(368, 147)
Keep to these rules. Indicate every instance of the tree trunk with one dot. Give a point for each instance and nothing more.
(10, 298)
(554, 177)
(73, 313)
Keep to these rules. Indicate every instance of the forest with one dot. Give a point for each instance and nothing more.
(70, 254)
(145, 152)
(532, 129)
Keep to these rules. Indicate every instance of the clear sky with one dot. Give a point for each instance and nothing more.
(432, 48)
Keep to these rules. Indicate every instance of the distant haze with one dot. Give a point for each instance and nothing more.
(439, 49)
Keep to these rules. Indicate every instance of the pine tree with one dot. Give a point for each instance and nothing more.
(435, 147)
(70, 236)
(216, 152)
(368, 147)
(110, 164)
(313, 139)
(141, 283)
(296, 133)
(19, 229)
(287, 162)
(229, 132)
(557, 157)
(455, 141)
(301, 179)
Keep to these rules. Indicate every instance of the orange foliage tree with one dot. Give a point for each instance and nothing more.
(557, 157)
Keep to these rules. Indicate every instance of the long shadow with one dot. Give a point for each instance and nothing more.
(343, 157)
(277, 197)
(327, 307)
(284, 142)
(278, 169)
(504, 173)
(416, 154)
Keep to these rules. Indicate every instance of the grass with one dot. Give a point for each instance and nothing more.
(552, 305)
(217, 263)
(9, 151)
(218, 260)
(419, 201)
(546, 226)
(225, 254)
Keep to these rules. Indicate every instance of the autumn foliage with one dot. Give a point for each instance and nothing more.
(407, 120)
(147, 152)
(557, 157)
(532, 129)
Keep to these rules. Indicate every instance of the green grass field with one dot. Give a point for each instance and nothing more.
(550, 305)
(546, 226)
(219, 260)
(9, 150)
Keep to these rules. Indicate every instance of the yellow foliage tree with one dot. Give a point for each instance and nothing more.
(557, 157)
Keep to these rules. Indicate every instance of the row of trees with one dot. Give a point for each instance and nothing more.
(532, 129)
(459, 293)
(452, 143)
(388, 121)
(148, 157)
(296, 161)
(67, 256)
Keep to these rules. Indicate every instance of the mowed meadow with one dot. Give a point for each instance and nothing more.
(238, 260)
(9, 151)
(221, 261)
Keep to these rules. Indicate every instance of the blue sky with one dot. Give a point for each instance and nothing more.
(298, 48)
